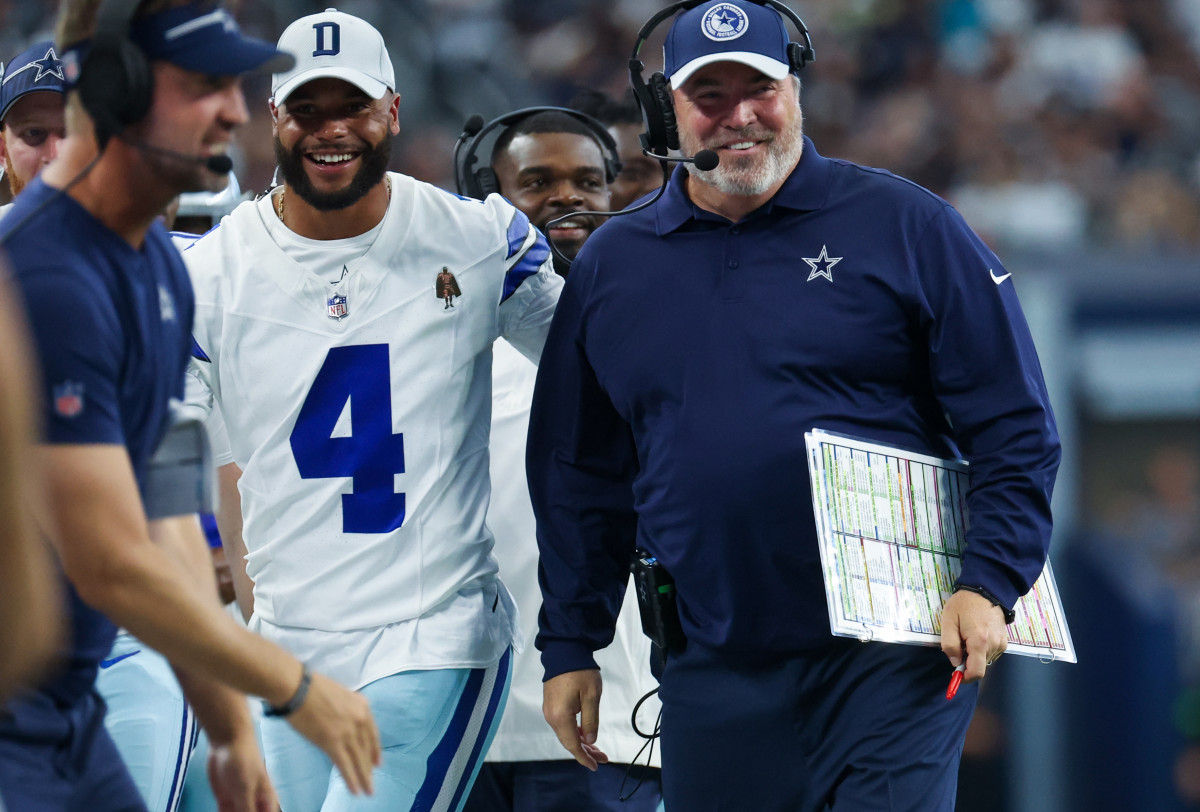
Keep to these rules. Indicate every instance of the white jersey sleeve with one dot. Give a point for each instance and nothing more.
(531, 287)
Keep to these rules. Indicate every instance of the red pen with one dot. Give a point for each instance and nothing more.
(955, 680)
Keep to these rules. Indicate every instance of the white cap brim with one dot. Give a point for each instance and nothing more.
(372, 87)
(764, 64)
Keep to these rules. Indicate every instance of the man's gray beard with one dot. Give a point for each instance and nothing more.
(783, 152)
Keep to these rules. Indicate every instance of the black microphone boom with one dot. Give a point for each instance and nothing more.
(218, 164)
(705, 160)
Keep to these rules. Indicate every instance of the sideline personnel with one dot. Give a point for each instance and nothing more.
(153, 98)
(695, 343)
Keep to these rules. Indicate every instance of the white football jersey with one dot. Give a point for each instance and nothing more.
(357, 402)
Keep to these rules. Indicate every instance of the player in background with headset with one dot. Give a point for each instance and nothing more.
(640, 174)
(550, 162)
(344, 327)
(152, 101)
(696, 342)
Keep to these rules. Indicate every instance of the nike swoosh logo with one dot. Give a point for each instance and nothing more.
(998, 279)
(115, 660)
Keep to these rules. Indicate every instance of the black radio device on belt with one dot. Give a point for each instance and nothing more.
(656, 600)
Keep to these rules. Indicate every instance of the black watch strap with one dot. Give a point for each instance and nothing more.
(293, 704)
(1009, 614)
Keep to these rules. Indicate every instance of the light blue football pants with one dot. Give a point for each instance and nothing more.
(435, 726)
(148, 720)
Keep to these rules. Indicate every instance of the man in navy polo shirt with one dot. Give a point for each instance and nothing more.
(110, 309)
(694, 345)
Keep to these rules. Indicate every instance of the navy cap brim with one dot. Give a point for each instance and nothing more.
(8, 104)
(250, 56)
(207, 41)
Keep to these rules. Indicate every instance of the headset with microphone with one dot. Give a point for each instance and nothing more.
(116, 85)
(654, 97)
(481, 182)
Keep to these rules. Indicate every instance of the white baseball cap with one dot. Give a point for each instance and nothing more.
(338, 46)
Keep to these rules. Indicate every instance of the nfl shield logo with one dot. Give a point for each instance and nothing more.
(68, 399)
(335, 307)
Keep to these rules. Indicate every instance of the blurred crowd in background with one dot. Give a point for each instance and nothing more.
(1049, 123)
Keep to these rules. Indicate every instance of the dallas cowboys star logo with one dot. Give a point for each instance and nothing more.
(48, 65)
(822, 265)
(724, 21)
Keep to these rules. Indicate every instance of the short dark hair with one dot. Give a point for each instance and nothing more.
(608, 110)
(547, 121)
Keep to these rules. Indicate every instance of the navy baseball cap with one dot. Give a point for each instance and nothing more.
(197, 37)
(34, 70)
(744, 32)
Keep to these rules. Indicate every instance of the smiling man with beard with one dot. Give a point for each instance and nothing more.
(696, 342)
(356, 402)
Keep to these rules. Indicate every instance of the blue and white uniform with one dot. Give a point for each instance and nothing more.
(357, 401)
(111, 329)
(688, 357)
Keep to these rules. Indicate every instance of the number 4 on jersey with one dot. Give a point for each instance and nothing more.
(372, 455)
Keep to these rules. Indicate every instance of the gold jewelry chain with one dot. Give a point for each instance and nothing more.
(283, 191)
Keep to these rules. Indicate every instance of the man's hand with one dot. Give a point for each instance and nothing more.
(973, 626)
(566, 697)
(239, 777)
(339, 721)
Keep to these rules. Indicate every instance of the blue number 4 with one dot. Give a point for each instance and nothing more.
(372, 454)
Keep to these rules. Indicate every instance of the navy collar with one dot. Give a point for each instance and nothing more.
(804, 190)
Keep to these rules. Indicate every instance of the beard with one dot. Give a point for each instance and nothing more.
(15, 183)
(748, 175)
(375, 161)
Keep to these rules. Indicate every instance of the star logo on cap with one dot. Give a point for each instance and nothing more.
(724, 21)
(822, 265)
(48, 65)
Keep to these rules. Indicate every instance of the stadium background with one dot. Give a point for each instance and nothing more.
(1068, 134)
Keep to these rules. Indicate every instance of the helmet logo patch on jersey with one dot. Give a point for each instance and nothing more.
(336, 307)
(68, 399)
(446, 288)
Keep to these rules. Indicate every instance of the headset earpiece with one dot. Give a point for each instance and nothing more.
(485, 183)
(664, 109)
(116, 83)
(800, 55)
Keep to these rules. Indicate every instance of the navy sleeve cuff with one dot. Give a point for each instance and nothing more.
(561, 657)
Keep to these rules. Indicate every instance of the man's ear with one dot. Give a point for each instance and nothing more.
(274, 116)
(394, 114)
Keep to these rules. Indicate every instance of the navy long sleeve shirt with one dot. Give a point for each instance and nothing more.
(687, 359)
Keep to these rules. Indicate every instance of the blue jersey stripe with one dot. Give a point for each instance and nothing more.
(187, 739)
(438, 763)
(499, 690)
(518, 229)
(198, 352)
(526, 266)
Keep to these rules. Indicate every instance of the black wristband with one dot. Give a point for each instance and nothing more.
(1009, 614)
(293, 704)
